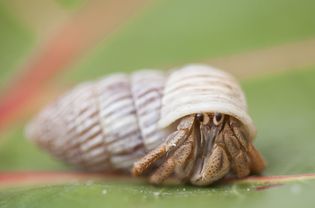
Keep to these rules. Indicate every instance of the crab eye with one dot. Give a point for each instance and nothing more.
(199, 117)
(202, 118)
(218, 118)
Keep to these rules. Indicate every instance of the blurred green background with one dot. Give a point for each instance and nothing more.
(102, 37)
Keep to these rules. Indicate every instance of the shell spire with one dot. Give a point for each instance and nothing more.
(103, 125)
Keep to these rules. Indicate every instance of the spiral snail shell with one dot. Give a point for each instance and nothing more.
(192, 122)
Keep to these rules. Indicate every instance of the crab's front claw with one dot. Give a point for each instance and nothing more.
(215, 166)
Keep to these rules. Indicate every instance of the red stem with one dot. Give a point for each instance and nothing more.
(31, 178)
(89, 25)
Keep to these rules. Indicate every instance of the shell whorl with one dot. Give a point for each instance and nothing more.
(201, 88)
(112, 122)
(104, 125)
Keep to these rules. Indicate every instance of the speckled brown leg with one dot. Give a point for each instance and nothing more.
(173, 141)
(257, 162)
(216, 165)
(185, 159)
(240, 163)
(248, 159)
(177, 161)
(144, 163)
(164, 171)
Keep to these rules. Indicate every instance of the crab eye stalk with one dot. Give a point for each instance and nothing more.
(199, 117)
(218, 118)
(203, 118)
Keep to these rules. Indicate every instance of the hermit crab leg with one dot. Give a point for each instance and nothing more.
(257, 163)
(164, 171)
(216, 165)
(187, 157)
(205, 144)
(238, 156)
(175, 162)
(172, 142)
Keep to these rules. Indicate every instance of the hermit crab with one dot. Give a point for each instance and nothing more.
(191, 123)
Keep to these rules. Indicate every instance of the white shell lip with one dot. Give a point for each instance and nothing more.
(178, 104)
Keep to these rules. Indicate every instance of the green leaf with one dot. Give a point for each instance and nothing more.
(173, 32)
(122, 194)
(70, 4)
(16, 41)
(181, 31)
(17, 153)
(283, 109)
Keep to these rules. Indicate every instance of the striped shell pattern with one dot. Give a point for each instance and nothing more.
(111, 123)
